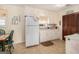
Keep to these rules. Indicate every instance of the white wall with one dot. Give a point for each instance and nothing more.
(14, 10)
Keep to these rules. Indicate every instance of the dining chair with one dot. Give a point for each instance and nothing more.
(9, 41)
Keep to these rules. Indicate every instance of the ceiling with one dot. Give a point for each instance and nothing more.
(51, 7)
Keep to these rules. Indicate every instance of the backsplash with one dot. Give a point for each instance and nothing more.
(48, 26)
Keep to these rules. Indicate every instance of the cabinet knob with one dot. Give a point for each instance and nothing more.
(68, 38)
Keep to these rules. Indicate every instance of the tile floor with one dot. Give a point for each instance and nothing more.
(57, 48)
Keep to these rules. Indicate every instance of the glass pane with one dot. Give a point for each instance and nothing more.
(2, 22)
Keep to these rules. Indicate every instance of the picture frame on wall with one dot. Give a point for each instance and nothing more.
(15, 20)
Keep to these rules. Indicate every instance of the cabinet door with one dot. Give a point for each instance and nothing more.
(65, 24)
(72, 23)
(53, 34)
(72, 46)
(69, 24)
(68, 46)
(43, 35)
(50, 34)
(77, 23)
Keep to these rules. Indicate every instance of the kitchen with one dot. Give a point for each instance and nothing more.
(48, 31)
(39, 29)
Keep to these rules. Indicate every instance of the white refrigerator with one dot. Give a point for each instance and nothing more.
(31, 31)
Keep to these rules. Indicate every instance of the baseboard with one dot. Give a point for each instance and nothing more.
(18, 42)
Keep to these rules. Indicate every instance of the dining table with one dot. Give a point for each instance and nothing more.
(3, 38)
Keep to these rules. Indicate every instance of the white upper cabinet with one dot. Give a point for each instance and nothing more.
(43, 20)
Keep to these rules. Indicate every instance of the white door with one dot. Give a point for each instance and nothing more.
(32, 35)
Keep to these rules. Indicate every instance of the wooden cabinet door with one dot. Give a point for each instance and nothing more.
(69, 24)
(72, 24)
(77, 22)
(65, 23)
(64, 26)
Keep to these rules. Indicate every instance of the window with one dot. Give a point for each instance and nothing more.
(2, 22)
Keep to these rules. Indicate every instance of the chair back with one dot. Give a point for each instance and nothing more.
(2, 31)
(11, 36)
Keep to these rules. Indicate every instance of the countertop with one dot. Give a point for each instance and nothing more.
(73, 36)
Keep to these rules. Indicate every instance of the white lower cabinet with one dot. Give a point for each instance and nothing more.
(72, 43)
(48, 34)
(43, 35)
(68, 46)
